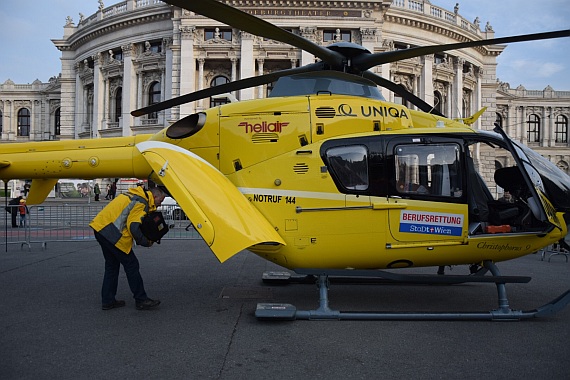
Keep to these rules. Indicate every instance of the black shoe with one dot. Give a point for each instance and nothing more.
(113, 305)
(147, 304)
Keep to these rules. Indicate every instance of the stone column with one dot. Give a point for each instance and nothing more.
(106, 104)
(247, 69)
(33, 131)
(69, 88)
(166, 45)
(140, 103)
(98, 97)
(457, 95)
(187, 68)
(260, 62)
(549, 114)
(129, 89)
(524, 125)
(13, 122)
(510, 123)
(426, 80)
(78, 105)
(234, 72)
(478, 96)
(201, 62)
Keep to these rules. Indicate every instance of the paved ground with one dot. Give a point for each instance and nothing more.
(52, 326)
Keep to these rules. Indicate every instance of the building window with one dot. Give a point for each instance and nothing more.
(218, 34)
(24, 122)
(219, 80)
(153, 47)
(1, 122)
(499, 119)
(57, 122)
(561, 129)
(153, 98)
(336, 35)
(119, 104)
(117, 55)
(533, 130)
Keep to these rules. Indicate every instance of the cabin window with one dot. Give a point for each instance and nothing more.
(428, 170)
(349, 165)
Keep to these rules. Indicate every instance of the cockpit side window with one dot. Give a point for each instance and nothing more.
(349, 165)
(428, 170)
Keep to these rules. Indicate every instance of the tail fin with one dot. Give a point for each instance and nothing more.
(472, 119)
(39, 190)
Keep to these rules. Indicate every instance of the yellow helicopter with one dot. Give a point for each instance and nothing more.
(326, 178)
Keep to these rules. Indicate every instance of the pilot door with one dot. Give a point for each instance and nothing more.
(426, 191)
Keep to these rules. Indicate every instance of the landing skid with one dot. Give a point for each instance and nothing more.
(282, 311)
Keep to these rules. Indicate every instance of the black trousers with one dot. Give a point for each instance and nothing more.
(114, 257)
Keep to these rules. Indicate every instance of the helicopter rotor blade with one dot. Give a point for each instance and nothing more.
(405, 94)
(248, 23)
(224, 88)
(364, 62)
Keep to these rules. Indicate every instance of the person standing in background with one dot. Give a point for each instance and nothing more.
(23, 212)
(97, 191)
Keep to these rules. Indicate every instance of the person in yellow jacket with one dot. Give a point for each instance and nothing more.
(116, 227)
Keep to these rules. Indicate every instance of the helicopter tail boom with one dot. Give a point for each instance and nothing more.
(46, 162)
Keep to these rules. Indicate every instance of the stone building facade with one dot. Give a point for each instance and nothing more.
(138, 52)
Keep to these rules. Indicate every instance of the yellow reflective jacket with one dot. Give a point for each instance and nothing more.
(119, 222)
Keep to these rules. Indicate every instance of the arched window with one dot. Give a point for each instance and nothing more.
(499, 119)
(533, 130)
(561, 129)
(438, 101)
(24, 122)
(119, 104)
(219, 80)
(57, 122)
(153, 98)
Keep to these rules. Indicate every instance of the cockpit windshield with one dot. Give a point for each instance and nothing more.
(319, 83)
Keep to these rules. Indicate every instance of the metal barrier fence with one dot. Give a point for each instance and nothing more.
(70, 222)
